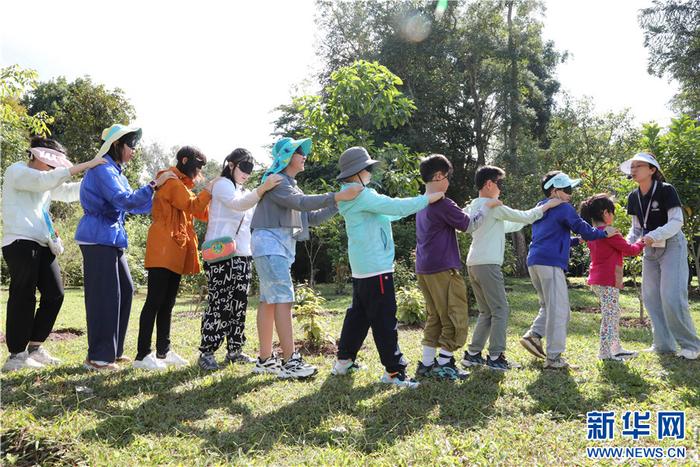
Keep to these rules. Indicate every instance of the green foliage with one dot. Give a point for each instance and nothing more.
(672, 38)
(309, 305)
(410, 305)
(17, 123)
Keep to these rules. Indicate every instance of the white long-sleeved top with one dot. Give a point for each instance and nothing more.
(489, 240)
(26, 193)
(228, 205)
(664, 232)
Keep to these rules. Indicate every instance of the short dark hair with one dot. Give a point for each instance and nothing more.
(485, 173)
(592, 208)
(195, 160)
(657, 175)
(50, 143)
(548, 176)
(237, 156)
(433, 164)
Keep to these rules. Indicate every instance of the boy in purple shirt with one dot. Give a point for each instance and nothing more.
(437, 268)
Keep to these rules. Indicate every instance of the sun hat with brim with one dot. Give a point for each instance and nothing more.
(354, 160)
(51, 157)
(113, 133)
(626, 166)
(282, 153)
(561, 180)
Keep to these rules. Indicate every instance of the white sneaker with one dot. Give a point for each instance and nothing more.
(688, 354)
(271, 365)
(19, 361)
(43, 356)
(296, 368)
(399, 379)
(173, 359)
(344, 367)
(150, 362)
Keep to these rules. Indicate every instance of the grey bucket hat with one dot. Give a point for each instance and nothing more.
(353, 161)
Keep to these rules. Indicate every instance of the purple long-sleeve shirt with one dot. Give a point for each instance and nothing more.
(436, 237)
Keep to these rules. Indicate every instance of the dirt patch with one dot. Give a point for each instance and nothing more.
(586, 309)
(411, 327)
(65, 334)
(327, 348)
(629, 322)
(62, 334)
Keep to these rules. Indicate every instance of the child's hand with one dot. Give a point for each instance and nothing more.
(610, 231)
(349, 193)
(552, 203)
(434, 197)
(494, 203)
(648, 241)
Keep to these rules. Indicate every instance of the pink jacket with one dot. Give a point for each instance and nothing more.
(606, 259)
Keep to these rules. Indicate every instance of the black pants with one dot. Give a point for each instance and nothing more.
(373, 306)
(163, 285)
(228, 283)
(31, 266)
(108, 294)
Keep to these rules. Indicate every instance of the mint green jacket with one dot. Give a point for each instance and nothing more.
(368, 225)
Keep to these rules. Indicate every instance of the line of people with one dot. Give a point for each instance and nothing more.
(265, 224)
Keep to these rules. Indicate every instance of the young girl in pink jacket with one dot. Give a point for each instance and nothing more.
(605, 275)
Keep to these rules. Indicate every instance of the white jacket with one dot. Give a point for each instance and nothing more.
(26, 192)
(230, 204)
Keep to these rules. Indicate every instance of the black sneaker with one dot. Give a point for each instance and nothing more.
(296, 368)
(449, 371)
(238, 357)
(472, 360)
(423, 371)
(206, 361)
(500, 364)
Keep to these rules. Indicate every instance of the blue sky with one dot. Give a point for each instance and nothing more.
(210, 73)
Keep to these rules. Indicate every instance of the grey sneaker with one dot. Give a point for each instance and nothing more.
(20, 361)
(470, 360)
(399, 379)
(207, 362)
(238, 357)
(533, 344)
(557, 364)
(43, 356)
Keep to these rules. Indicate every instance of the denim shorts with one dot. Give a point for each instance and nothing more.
(275, 279)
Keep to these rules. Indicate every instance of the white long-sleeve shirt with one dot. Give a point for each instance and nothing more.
(230, 204)
(664, 232)
(26, 193)
(489, 240)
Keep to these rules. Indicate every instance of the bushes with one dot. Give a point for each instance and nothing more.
(410, 306)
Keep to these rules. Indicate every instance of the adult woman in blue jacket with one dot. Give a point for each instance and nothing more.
(106, 198)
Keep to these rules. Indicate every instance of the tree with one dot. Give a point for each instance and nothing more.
(672, 36)
(359, 99)
(81, 110)
(456, 75)
(155, 158)
(17, 123)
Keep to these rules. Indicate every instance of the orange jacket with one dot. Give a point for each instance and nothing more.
(172, 241)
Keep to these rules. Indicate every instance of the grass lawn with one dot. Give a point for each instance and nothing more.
(188, 417)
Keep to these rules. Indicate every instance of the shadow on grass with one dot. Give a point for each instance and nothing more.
(683, 373)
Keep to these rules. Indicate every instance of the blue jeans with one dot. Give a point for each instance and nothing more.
(665, 294)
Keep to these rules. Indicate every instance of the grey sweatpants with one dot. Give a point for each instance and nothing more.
(487, 282)
(665, 293)
(552, 322)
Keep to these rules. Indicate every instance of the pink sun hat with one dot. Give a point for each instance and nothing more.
(51, 157)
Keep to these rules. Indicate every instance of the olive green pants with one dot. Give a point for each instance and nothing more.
(446, 301)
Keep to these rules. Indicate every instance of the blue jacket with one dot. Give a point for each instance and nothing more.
(368, 225)
(551, 238)
(106, 197)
